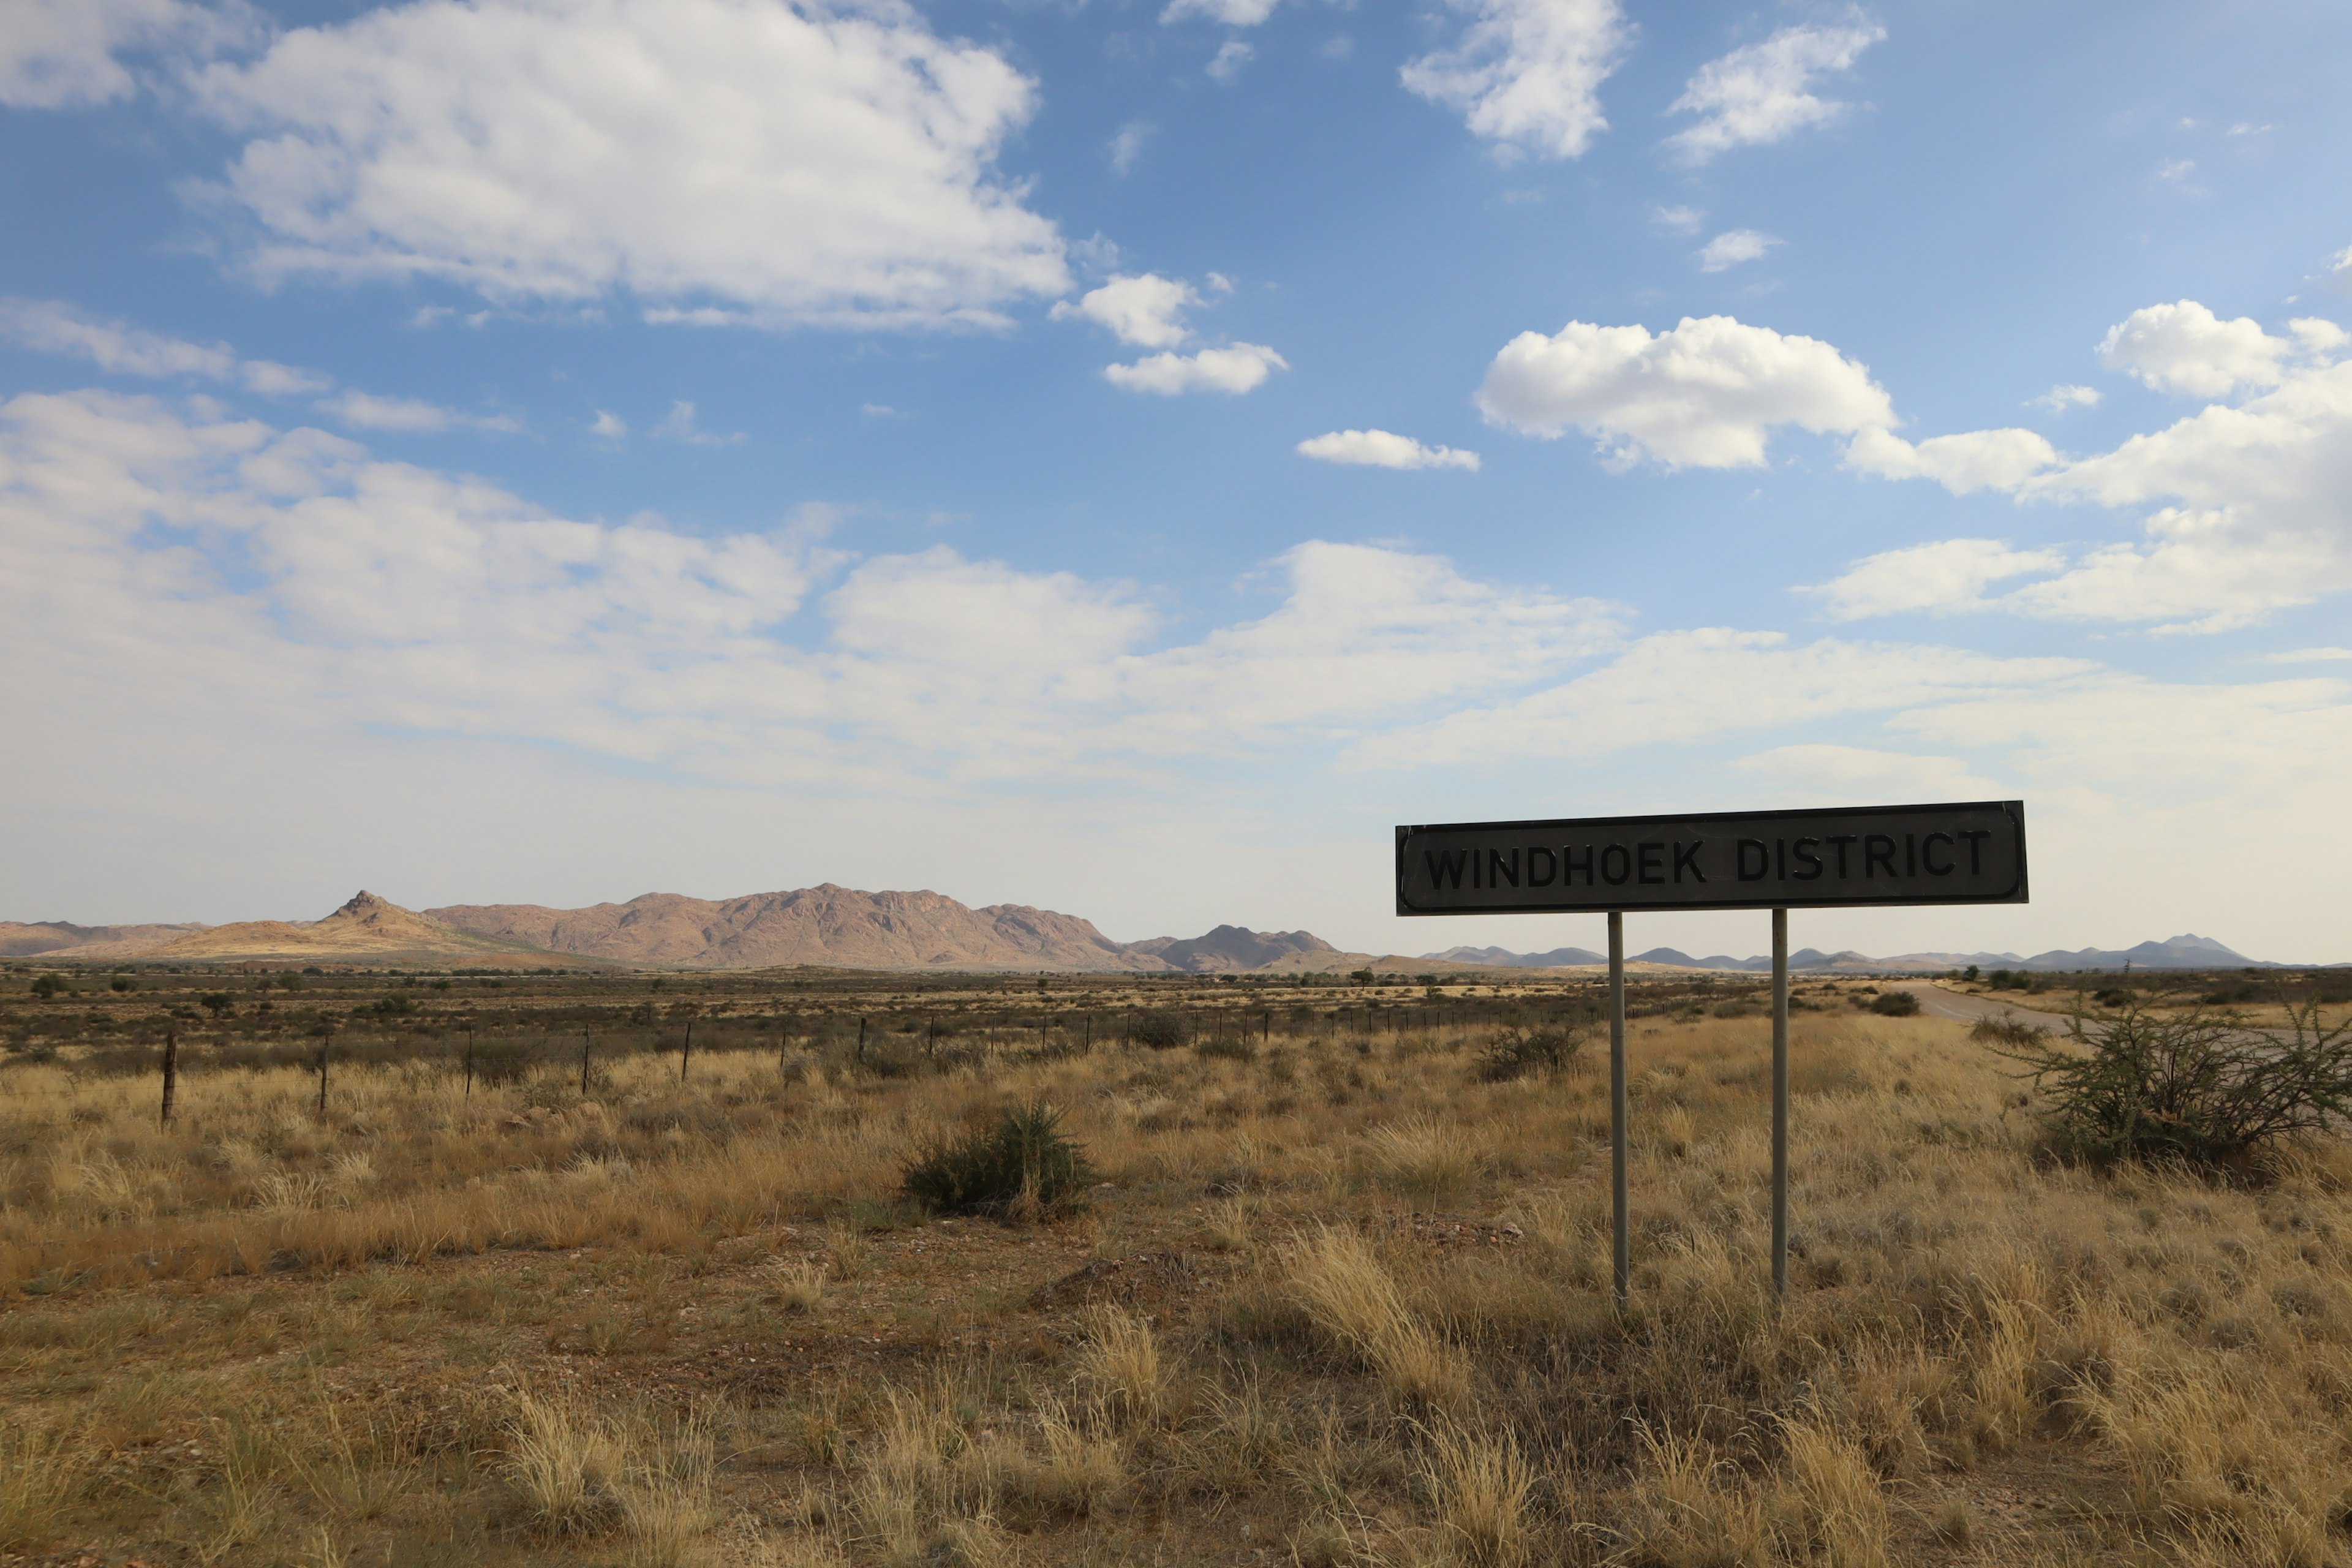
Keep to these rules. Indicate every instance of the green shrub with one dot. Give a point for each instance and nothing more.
(1227, 1045)
(1025, 1162)
(1514, 1053)
(2197, 1087)
(1894, 1005)
(48, 984)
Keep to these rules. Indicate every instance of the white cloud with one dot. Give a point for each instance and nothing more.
(1528, 73)
(2253, 500)
(1235, 368)
(2184, 347)
(226, 561)
(609, 427)
(2062, 397)
(1232, 56)
(2306, 655)
(1728, 249)
(62, 54)
(1127, 145)
(1143, 308)
(727, 159)
(1949, 574)
(1232, 13)
(1972, 460)
(1828, 774)
(1677, 687)
(1705, 393)
(1382, 449)
(51, 327)
(678, 424)
(271, 379)
(1763, 92)
(1680, 220)
(362, 411)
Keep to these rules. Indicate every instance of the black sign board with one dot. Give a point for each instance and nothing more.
(1968, 853)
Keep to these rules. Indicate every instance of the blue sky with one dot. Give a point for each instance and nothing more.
(1126, 457)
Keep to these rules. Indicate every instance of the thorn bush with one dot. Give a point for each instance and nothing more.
(2200, 1087)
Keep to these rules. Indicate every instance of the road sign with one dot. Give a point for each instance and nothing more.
(1972, 852)
(1967, 853)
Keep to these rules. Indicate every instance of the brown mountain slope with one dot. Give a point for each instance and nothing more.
(367, 929)
(25, 939)
(823, 925)
(1234, 948)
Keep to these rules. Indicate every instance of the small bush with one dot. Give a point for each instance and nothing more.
(1894, 1005)
(48, 984)
(1227, 1046)
(2195, 1088)
(1023, 1162)
(1157, 1031)
(1514, 1053)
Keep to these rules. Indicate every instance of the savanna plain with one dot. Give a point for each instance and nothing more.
(981, 1270)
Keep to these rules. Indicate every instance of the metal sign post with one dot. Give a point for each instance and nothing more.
(1843, 857)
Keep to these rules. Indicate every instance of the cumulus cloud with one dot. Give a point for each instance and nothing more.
(1233, 370)
(1763, 92)
(1127, 145)
(2184, 347)
(1148, 310)
(53, 327)
(1232, 13)
(1527, 74)
(1384, 449)
(715, 159)
(609, 427)
(212, 559)
(2062, 397)
(1728, 250)
(678, 424)
(361, 411)
(1680, 220)
(2250, 500)
(1947, 576)
(66, 54)
(1144, 308)
(1705, 393)
(1972, 460)
(1232, 56)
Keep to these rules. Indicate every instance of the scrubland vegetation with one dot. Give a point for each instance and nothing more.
(1288, 1275)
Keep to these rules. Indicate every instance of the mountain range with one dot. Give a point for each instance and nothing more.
(826, 926)
(2187, 951)
(835, 927)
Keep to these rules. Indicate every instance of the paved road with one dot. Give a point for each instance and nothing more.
(1938, 1003)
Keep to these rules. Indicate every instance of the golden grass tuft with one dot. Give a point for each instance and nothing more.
(1479, 1486)
(1354, 1299)
(1118, 1358)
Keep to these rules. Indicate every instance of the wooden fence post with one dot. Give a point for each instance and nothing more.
(469, 1061)
(583, 1061)
(686, 1052)
(171, 1073)
(326, 1043)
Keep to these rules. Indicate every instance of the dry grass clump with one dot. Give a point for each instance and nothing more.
(45, 1468)
(1119, 1359)
(1354, 1299)
(1425, 1157)
(581, 1473)
(1479, 1486)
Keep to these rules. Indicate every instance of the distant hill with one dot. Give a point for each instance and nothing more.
(2185, 951)
(365, 930)
(825, 925)
(1233, 949)
(1503, 957)
(21, 938)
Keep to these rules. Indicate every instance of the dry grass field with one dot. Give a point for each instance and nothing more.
(1337, 1294)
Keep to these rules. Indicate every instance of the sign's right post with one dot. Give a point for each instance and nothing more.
(1617, 1187)
(1780, 1102)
